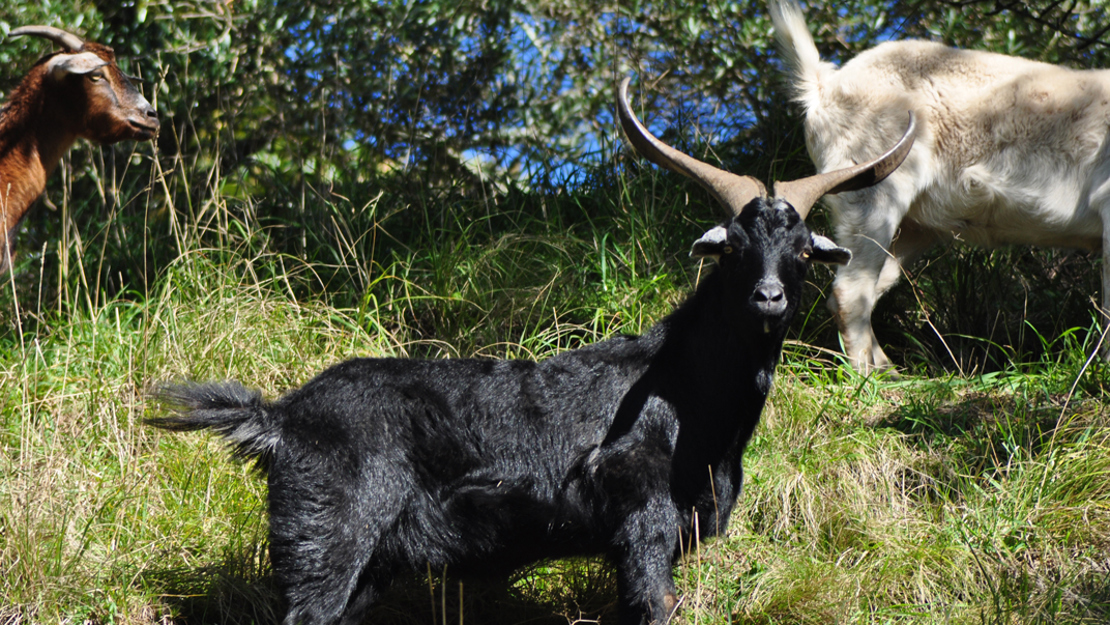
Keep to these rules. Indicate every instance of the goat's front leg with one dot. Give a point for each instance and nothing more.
(645, 561)
(633, 479)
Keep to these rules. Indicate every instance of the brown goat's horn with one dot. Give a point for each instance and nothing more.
(731, 190)
(69, 41)
(803, 194)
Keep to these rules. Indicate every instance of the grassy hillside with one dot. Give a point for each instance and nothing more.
(969, 491)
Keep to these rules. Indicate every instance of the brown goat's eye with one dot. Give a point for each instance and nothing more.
(96, 77)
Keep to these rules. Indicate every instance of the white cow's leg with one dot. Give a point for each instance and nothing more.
(867, 223)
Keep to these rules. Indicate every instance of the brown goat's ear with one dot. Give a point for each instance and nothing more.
(62, 65)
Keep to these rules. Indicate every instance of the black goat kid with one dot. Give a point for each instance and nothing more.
(626, 448)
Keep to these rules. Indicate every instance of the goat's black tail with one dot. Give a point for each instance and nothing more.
(237, 413)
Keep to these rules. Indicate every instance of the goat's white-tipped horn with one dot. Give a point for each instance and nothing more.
(732, 191)
(802, 194)
(69, 41)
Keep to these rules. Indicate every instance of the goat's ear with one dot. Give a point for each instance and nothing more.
(712, 244)
(61, 65)
(825, 251)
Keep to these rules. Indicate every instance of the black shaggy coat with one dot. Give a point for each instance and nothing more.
(626, 448)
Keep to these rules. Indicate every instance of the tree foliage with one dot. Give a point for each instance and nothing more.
(349, 89)
(299, 115)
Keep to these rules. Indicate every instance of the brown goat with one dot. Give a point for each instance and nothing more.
(78, 92)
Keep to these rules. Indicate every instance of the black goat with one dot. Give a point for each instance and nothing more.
(627, 448)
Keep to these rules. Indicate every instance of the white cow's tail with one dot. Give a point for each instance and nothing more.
(799, 51)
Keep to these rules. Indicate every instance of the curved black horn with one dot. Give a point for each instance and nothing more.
(732, 191)
(803, 194)
(69, 41)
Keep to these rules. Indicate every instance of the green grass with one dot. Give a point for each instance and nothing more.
(942, 497)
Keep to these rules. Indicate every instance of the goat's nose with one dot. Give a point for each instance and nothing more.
(769, 298)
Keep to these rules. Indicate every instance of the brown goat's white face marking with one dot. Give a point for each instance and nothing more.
(63, 65)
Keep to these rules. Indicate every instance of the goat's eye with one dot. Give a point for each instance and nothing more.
(727, 249)
(96, 77)
(805, 254)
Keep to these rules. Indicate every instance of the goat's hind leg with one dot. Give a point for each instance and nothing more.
(322, 536)
(369, 588)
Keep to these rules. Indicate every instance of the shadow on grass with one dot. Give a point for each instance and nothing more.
(557, 593)
(1024, 470)
(985, 433)
(1022, 597)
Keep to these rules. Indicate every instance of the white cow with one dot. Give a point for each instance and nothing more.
(1008, 151)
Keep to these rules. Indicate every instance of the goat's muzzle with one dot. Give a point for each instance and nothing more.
(769, 298)
(146, 124)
